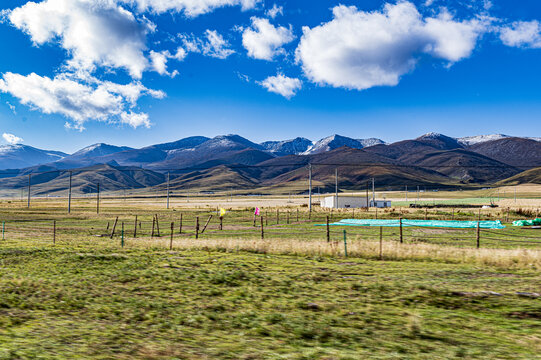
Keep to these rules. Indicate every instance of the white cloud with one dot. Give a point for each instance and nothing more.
(79, 100)
(12, 139)
(213, 45)
(190, 8)
(263, 40)
(12, 108)
(275, 11)
(282, 85)
(360, 50)
(522, 34)
(94, 32)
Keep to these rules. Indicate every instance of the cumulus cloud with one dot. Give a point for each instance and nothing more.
(282, 85)
(12, 139)
(360, 50)
(190, 8)
(80, 101)
(213, 44)
(263, 40)
(94, 32)
(274, 11)
(525, 34)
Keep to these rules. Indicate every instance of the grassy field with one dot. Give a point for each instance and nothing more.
(292, 295)
(90, 302)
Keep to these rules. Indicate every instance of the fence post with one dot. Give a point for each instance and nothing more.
(262, 230)
(381, 242)
(153, 224)
(478, 234)
(114, 227)
(197, 227)
(207, 224)
(345, 244)
(376, 212)
(180, 226)
(254, 219)
(277, 216)
(3, 230)
(401, 233)
(288, 217)
(122, 235)
(328, 230)
(221, 223)
(135, 228)
(297, 214)
(172, 230)
(507, 217)
(157, 225)
(54, 232)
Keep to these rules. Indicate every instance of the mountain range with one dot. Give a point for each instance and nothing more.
(231, 161)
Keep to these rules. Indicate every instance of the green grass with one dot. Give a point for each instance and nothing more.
(92, 302)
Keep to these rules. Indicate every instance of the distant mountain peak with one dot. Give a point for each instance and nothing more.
(288, 147)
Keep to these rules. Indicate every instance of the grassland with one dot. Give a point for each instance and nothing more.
(232, 295)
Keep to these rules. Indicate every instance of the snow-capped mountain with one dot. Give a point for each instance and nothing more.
(440, 141)
(473, 140)
(370, 142)
(20, 156)
(337, 141)
(96, 150)
(288, 147)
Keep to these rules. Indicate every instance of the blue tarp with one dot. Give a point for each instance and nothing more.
(455, 224)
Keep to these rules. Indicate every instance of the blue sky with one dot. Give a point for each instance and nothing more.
(76, 72)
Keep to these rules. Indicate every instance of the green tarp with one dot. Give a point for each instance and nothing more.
(456, 224)
(535, 222)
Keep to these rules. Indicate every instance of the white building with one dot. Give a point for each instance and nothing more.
(349, 202)
(344, 202)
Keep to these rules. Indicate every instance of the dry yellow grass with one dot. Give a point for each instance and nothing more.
(517, 258)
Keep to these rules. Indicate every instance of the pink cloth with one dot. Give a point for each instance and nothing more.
(256, 213)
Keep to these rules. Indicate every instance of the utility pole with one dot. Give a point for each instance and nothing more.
(310, 188)
(336, 187)
(374, 191)
(29, 177)
(168, 178)
(69, 195)
(98, 200)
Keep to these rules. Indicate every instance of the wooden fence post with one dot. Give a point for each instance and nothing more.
(157, 225)
(328, 230)
(114, 227)
(135, 228)
(297, 214)
(288, 217)
(171, 241)
(262, 230)
(207, 224)
(122, 235)
(153, 224)
(478, 234)
(277, 216)
(180, 226)
(221, 223)
(54, 232)
(197, 227)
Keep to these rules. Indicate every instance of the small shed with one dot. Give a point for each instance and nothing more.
(380, 203)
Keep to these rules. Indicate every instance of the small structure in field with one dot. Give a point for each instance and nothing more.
(380, 203)
(343, 202)
(351, 202)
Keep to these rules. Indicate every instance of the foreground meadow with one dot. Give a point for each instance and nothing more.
(103, 303)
